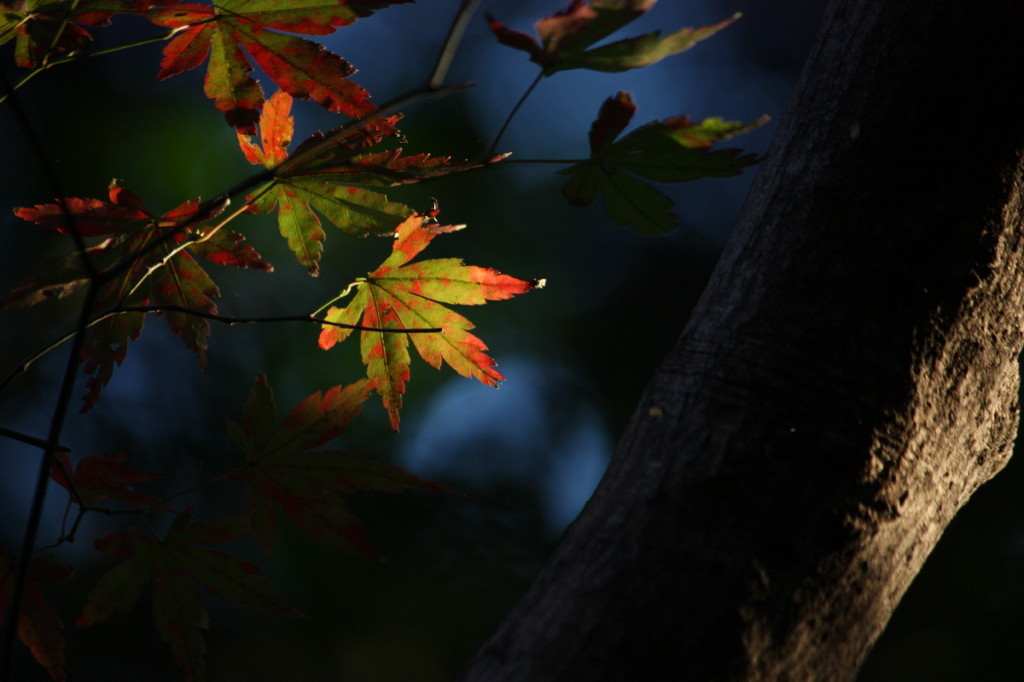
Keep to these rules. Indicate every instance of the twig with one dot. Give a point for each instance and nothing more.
(185, 244)
(52, 443)
(205, 211)
(27, 439)
(42, 479)
(230, 321)
(84, 54)
(25, 364)
(511, 114)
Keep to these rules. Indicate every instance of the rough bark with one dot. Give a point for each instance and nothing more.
(846, 382)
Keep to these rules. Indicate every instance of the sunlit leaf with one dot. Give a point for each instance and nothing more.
(34, 26)
(401, 296)
(263, 29)
(156, 248)
(333, 182)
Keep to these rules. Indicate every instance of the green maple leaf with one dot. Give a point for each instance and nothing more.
(333, 180)
(126, 227)
(173, 566)
(283, 471)
(673, 150)
(567, 37)
(403, 296)
(263, 28)
(39, 625)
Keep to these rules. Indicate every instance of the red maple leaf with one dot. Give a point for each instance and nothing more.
(34, 26)
(162, 271)
(283, 471)
(105, 476)
(332, 180)
(39, 625)
(172, 566)
(403, 296)
(300, 67)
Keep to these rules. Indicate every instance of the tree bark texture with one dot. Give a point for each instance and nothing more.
(846, 382)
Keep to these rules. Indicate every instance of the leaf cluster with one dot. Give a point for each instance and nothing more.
(126, 260)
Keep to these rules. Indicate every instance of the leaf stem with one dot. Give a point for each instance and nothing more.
(82, 55)
(340, 296)
(511, 114)
(27, 439)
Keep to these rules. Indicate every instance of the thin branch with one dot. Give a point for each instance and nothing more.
(27, 439)
(82, 55)
(187, 243)
(24, 365)
(49, 172)
(205, 211)
(511, 114)
(231, 321)
(42, 479)
(52, 443)
(451, 44)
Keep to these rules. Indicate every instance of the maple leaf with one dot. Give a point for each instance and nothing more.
(282, 470)
(403, 296)
(673, 150)
(34, 26)
(172, 566)
(324, 175)
(39, 625)
(300, 67)
(104, 476)
(127, 228)
(565, 37)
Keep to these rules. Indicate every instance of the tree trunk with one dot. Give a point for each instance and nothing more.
(847, 380)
